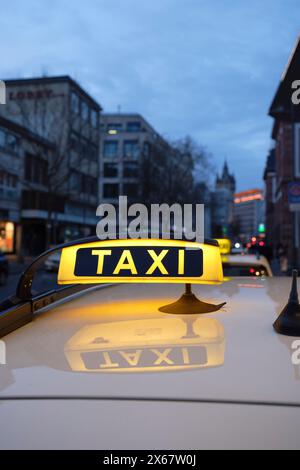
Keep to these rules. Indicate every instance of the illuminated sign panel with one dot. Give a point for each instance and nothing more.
(140, 261)
(225, 245)
(248, 196)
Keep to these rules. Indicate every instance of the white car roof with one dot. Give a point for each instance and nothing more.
(126, 317)
(113, 345)
(96, 425)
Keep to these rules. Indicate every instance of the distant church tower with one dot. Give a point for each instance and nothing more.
(223, 197)
(226, 181)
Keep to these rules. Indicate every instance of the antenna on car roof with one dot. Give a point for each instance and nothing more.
(288, 322)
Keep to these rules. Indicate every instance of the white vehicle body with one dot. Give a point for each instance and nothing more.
(251, 261)
(107, 370)
(238, 251)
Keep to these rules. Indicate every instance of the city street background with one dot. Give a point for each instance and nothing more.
(190, 103)
(43, 281)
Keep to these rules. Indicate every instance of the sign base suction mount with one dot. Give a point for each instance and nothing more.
(188, 304)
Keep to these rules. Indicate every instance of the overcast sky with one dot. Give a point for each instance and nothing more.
(208, 68)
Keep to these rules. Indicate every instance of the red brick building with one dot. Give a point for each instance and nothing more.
(283, 165)
(270, 190)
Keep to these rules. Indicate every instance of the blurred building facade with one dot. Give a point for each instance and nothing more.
(270, 196)
(69, 158)
(282, 176)
(222, 203)
(249, 214)
(23, 164)
(127, 143)
(59, 110)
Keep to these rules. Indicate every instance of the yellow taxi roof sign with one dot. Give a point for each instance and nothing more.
(141, 261)
(225, 245)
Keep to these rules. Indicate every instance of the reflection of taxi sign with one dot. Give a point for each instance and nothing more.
(147, 345)
(225, 245)
(140, 261)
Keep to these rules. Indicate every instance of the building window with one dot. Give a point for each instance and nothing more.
(36, 169)
(9, 141)
(7, 237)
(111, 191)
(114, 128)
(110, 149)
(114, 125)
(8, 186)
(2, 138)
(12, 143)
(133, 126)
(146, 149)
(130, 170)
(94, 118)
(37, 200)
(83, 184)
(13, 181)
(130, 190)
(75, 182)
(75, 142)
(93, 153)
(8, 180)
(89, 185)
(110, 170)
(131, 149)
(85, 111)
(83, 148)
(75, 103)
(74, 209)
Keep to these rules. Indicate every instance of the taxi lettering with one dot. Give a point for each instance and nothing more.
(146, 357)
(138, 261)
(126, 262)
